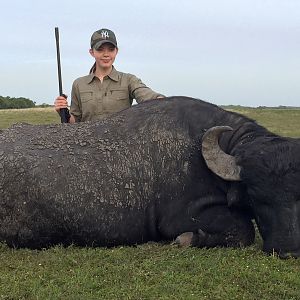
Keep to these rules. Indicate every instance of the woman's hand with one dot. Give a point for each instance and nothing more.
(60, 102)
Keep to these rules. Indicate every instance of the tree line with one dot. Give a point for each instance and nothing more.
(11, 102)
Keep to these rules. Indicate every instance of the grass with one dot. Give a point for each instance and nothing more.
(285, 122)
(150, 271)
(29, 115)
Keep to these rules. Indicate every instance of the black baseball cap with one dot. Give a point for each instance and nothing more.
(101, 37)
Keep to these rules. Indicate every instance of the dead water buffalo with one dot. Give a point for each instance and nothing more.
(152, 172)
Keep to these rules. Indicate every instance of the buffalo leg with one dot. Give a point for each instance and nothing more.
(239, 231)
(207, 222)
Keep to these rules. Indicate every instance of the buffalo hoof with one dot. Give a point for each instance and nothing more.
(185, 239)
(188, 239)
(284, 254)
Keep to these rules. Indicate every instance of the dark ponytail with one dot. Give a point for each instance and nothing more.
(93, 68)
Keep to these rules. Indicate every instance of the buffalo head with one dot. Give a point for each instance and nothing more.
(270, 174)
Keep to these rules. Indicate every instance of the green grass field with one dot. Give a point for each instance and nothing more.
(150, 271)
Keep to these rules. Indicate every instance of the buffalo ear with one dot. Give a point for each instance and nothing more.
(219, 162)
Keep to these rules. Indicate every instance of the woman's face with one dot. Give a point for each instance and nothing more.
(105, 55)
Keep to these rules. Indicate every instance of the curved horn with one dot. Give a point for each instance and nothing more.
(216, 159)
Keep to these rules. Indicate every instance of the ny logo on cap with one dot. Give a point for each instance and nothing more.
(104, 34)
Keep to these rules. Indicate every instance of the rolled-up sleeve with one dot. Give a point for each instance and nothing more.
(75, 108)
(139, 91)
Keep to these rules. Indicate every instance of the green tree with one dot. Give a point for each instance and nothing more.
(11, 102)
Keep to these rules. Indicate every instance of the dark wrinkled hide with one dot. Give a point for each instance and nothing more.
(140, 176)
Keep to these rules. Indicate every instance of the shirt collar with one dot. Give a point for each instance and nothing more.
(114, 75)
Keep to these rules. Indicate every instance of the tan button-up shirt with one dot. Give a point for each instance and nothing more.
(93, 99)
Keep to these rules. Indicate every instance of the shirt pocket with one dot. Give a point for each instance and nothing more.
(86, 96)
(119, 94)
(89, 105)
(116, 100)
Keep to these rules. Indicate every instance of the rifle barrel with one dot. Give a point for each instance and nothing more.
(58, 61)
(64, 112)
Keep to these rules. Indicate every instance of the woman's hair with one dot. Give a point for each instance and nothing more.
(93, 68)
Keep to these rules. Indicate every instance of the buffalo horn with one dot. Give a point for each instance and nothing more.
(216, 159)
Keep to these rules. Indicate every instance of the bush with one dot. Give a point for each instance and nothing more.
(8, 102)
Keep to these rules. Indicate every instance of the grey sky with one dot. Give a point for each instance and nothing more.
(227, 52)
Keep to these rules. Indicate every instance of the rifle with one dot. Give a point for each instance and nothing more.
(64, 112)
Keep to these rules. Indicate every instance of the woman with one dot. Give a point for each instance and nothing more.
(105, 90)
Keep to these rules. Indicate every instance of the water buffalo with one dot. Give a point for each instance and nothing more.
(179, 168)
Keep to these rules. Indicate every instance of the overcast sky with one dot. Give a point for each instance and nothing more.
(242, 52)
